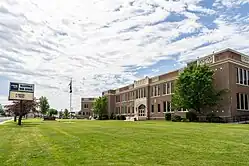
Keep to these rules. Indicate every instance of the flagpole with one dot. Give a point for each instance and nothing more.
(70, 102)
(71, 98)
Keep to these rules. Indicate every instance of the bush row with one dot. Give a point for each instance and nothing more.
(192, 117)
(112, 117)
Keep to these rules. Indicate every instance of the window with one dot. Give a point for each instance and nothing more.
(241, 76)
(242, 101)
(164, 106)
(83, 113)
(85, 105)
(144, 92)
(123, 97)
(237, 76)
(238, 103)
(158, 108)
(125, 109)
(168, 88)
(168, 106)
(164, 89)
(136, 94)
(129, 110)
(246, 102)
(133, 110)
(118, 98)
(245, 77)
(152, 108)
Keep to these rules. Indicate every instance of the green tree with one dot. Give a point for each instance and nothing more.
(194, 89)
(1, 111)
(44, 105)
(52, 112)
(100, 106)
(66, 113)
(21, 108)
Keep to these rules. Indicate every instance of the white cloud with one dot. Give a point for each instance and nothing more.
(94, 41)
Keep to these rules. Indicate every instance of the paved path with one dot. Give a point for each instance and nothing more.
(4, 119)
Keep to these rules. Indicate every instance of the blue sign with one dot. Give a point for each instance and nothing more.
(14, 86)
(21, 87)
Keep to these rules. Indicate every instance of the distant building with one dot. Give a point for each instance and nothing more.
(150, 98)
(86, 107)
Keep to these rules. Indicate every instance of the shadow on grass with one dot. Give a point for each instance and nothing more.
(24, 124)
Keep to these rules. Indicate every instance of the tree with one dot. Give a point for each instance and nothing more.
(44, 105)
(100, 106)
(1, 111)
(60, 114)
(52, 112)
(66, 113)
(21, 108)
(194, 89)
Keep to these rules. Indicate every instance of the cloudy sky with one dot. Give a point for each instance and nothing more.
(104, 44)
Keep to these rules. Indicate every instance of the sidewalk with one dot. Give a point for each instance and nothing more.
(5, 119)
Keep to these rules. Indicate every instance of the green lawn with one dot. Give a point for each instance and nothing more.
(39, 143)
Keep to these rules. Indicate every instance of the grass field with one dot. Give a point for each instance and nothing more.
(79, 142)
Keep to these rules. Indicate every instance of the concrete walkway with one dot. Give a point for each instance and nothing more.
(5, 119)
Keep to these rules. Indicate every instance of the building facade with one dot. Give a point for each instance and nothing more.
(150, 98)
(86, 107)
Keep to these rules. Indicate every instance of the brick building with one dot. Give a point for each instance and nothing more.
(150, 98)
(86, 107)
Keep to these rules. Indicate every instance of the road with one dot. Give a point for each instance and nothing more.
(2, 119)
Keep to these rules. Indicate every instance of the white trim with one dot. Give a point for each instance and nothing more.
(155, 96)
(246, 76)
(238, 73)
(229, 60)
(170, 90)
(242, 110)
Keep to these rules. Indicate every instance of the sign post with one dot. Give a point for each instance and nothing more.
(21, 92)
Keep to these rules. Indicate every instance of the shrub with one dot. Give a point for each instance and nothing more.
(213, 118)
(176, 118)
(117, 117)
(112, 116)
(49, 118)
(191, 116)
(122, 117)
(168, 116)
(185, 120)
(80, 117)
(210, 117)
(104, 117)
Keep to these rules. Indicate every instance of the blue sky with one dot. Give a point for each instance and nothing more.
(107, 44)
